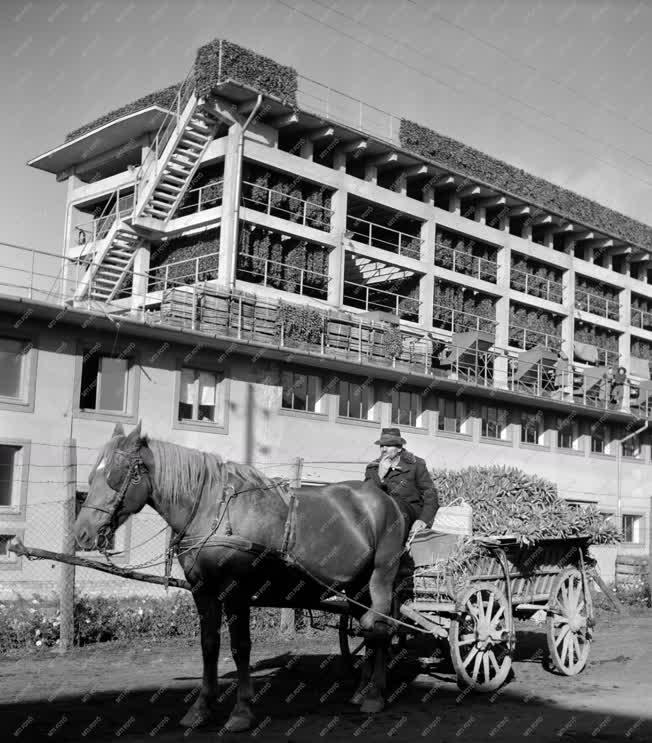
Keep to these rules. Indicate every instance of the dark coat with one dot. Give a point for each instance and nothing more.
(410, 483)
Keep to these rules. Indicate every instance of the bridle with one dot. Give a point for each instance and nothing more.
(133, 476)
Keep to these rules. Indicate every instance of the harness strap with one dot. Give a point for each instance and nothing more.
(290, 523)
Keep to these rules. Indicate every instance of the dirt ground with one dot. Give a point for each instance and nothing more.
(109, 693)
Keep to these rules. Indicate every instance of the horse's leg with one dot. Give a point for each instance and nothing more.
(365, 676)
(374, 700)
(209, 609)
(242, 715)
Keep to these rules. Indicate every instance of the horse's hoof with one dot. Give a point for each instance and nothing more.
(195, 718)
(372, 706)
(238, 723)
(357, 698)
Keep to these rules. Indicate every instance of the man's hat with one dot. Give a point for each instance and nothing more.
(391, 437)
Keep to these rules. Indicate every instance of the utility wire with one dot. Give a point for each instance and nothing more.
(529, 124)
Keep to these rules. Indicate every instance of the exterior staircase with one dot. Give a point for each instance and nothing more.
(111, 264)
(165, 181)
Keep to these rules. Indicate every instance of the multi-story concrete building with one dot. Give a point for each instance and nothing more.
(261, 266)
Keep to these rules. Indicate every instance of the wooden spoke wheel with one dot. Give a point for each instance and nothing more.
(351, 644)
(570, 622)
(479, 638)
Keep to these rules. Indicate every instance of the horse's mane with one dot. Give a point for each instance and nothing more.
(179, 470)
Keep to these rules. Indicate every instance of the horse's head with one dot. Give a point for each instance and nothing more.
(120, 484)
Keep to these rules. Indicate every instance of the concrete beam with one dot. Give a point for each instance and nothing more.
(285, 120)
(602, 243)
(470, 191)
(567, 227)
(544, 219)
(322, 133)
(640, 255)
(520, 211)
(355, 145)
(586, 235)
(389, 158)
(620, 249)
(246, 107)
(446, 181)
(416, 170)
(491, 201)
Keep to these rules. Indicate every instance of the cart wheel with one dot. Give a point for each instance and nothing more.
(569, 623)
(479, 638)
(351, 645)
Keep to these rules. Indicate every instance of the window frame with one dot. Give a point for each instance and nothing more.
(415, 395)
(606, 440)
(367, 385)
(642, 528)
(540, 428)
(573, 428)
(13, 561)
(129, 414)
(25, 401)
(202, 363)
(484, 423)
(321, 403)
(464, 419)
(20, 481)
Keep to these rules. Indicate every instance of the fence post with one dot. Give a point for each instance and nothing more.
(67, 579)
(288, 616)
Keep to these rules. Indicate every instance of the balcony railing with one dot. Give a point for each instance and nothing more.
(529, 283)
(385, 238)
(597, 305)
(641, 319)
(282, 276)
(97, 229)
(460, 322)
(461, 262)
(367, 298)
(198, 199)
(526, 338)
(188, 271)
(270, 201)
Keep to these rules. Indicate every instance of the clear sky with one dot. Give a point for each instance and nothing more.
(560, 88)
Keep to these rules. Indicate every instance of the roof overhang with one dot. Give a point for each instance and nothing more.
(106, 137)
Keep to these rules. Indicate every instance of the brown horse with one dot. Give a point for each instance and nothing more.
(238, 538)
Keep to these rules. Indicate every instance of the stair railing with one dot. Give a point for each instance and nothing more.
(162, 136)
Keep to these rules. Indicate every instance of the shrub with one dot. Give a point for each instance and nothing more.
(300, 323)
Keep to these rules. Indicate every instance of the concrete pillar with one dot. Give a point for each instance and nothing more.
(568, 299)
(589, 254)
(526, 234)
(339, 161)
(481, 214)
(625, 339)
(504, 222)
(454, 203)
(337, 254)
(307, 149)
(139, 283)
(504, 260)
(68, 272)
(228, 251)
(548, 238)
(371, 174)
(427, 284)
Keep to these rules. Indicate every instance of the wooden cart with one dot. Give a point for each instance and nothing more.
(476, 613)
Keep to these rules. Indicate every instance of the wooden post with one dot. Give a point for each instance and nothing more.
(67, 579)
(288, 616)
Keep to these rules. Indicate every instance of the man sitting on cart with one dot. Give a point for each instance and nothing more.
(405, 477)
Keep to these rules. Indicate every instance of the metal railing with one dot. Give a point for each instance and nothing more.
(641, 319)
(270, 201)
(184, 272)
(197, 199)
(597, 305)
(90, 232)
(164, 133)
(282, 276)
(369, 299)
(329, 103)
(526, 338)
(385, 238)
(466, 263)
(460, 322)
(530, 283)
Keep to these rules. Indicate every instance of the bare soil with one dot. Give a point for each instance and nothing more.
(110, 693)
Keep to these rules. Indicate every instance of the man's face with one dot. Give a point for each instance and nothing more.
(389, 452)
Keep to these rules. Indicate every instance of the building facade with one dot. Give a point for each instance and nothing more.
(255, 266)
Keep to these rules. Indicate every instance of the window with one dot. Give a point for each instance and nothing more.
(198, 396)
(356, 399)
(494, 422)
(8, 468)
(12, 356)
(301, 391)
(631, 447)
(406, 408)
(452, 415)
(632, 528)
(598, 439)
(104, 383)
(531, 427)
(5, 554)
(565, 433)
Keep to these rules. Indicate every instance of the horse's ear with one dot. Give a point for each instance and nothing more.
(118, 430)
(134, 437)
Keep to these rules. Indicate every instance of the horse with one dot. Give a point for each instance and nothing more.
(238, 536)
